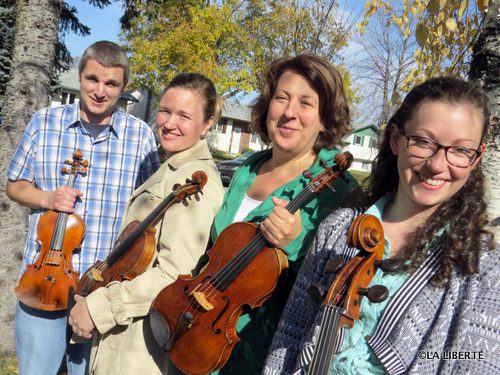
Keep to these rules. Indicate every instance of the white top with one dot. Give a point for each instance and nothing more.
(247, 205)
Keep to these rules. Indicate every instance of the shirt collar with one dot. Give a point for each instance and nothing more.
(199, 151)
(73, 116)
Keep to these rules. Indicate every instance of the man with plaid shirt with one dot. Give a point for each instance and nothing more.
(122, 154)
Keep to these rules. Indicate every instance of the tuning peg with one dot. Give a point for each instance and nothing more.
(67, 161)
(83, 170)
(317, 292)
(64, 170)
(389, 265)
(176, 186)
(333, 265)
(376, 293)
(85, 163)
(307, 174)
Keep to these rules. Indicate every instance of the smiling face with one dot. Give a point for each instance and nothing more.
(293, 119)
(425, 184)
(180, 119)
(100, 88)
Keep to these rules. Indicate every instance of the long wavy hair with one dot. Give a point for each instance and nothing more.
(463, 214)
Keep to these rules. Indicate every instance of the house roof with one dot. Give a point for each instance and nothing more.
(235, 110)
(360, 128)
(69, 80)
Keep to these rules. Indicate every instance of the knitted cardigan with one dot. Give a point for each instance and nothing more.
(423, 330)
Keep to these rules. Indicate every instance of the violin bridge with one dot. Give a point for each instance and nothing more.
(96, 274)
(202, 301)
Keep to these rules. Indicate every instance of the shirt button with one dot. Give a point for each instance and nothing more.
(368, 337)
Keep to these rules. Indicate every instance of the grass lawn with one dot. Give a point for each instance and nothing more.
(359, 176)
(8, 365)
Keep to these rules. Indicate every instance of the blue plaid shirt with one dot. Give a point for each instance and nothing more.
(120, 159)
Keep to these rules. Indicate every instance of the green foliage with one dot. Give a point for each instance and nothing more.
(219, 155)
(230, 41)
(248, 149)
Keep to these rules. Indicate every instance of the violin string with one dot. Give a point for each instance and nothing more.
(325, 344)
(242, 258)
(230, 271)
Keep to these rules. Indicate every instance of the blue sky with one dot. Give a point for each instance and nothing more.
(103, 23)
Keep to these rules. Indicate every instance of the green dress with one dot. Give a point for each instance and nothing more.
(256, 327)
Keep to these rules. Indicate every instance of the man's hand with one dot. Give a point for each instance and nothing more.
(63, 199)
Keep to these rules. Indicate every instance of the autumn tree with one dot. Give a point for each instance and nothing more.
(382, 59)
(230, 41)
(446, 31)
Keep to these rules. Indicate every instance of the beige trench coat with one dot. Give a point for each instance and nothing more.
(120, 310)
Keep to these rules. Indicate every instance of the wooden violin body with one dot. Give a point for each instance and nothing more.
(213, 306)
(139, 256)
(194, 319)
(136, 246)
(45, 284)
(343, 300)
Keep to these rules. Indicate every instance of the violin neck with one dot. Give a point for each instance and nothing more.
(327, 338)
(56, 242)
(150, 220)
(300, 200)
(232, 269)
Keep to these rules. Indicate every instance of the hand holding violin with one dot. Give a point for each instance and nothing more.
(80, 320)
(281, 227)
(62, 200)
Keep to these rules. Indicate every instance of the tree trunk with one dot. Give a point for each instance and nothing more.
(485, 67)
(28, 90)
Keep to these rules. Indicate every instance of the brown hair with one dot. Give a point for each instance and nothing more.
(107, 54)
(325, 80)
(204, 87)
(463, 214)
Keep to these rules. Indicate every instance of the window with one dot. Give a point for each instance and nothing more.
(365, 165)
(67, 98)
(358, 140)
(253, 138)
(220, 126)
(373, 143)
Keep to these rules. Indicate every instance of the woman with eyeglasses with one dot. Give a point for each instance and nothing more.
(427, 189)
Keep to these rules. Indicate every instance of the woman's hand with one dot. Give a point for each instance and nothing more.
(79, 318)
(281, 227)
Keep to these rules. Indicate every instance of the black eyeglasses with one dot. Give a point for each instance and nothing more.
(426, 148)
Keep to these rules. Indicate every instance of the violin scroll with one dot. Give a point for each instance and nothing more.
(194, 185)
(329, 175)
(344, 160)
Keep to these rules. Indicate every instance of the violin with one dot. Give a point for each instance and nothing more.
(45, 283)
(194, 318)
(135, 247)
(343, 300)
